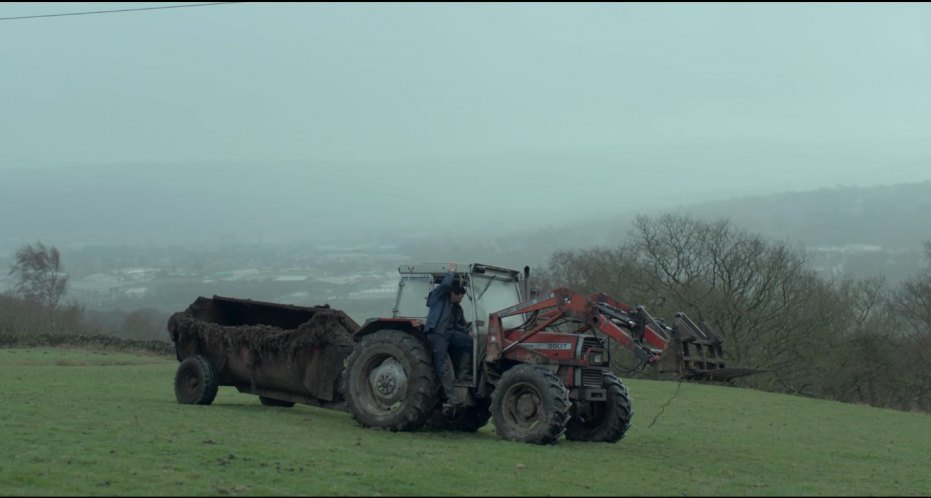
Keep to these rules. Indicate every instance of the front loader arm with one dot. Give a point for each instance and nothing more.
(562, 303)
(605, 325)
(690, 350)
(544, 311)
(650, 331)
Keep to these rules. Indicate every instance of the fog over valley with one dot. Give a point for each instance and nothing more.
(301, 152)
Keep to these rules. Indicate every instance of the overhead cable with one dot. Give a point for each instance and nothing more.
(118, 10)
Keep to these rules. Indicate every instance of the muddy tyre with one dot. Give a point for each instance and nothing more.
(275, 402)
(195, 381)
(466, 419)
(389, 381)
(530, 405)
(602, 421)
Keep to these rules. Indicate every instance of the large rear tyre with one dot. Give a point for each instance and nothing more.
(602, 421)
(389, 381)
(464, 419)
(530, 405)
(195, 381)
(275, 402)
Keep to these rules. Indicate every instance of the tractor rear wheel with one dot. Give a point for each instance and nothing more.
(389, 381)
(275, 402)
(195, 381)
(602, 421)
(530, 405)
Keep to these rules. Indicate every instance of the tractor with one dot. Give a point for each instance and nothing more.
(541, 363)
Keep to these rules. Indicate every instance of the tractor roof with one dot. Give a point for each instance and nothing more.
(441, 269)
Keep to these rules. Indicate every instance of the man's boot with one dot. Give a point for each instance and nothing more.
(465, 366)
(452, 399)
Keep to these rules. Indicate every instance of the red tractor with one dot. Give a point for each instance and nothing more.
(541, 366)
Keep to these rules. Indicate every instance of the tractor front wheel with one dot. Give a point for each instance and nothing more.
(530, 405)
(602, 421)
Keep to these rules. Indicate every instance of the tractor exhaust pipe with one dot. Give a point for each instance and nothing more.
(526, 282)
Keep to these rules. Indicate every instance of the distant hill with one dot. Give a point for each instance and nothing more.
(207, 205)
(855, 231)
(142, 204)
(889, 216)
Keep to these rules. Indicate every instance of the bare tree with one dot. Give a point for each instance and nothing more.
(757, 293)
(911, 315)
(38, 274)
(843, 339)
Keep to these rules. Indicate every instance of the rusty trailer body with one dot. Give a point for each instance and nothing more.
(283, 353)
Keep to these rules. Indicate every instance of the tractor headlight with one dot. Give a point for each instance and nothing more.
(596, 358)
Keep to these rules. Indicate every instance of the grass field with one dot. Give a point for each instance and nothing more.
(78, 422)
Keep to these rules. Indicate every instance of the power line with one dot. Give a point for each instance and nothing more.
(120, 10)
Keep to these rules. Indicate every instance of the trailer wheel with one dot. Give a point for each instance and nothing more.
(389, 381)
(602, 421)
(530, 405)
(275, 402)
(465, 419)
(195, 381)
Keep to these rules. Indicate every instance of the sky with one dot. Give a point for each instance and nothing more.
(413, 115)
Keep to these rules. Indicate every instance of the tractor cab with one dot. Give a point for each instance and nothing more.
(488, 289)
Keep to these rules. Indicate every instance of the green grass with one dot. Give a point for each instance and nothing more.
(90, 423)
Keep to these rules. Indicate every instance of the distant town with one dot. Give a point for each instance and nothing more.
(360, 279)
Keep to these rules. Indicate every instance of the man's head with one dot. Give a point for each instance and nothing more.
(456, 291)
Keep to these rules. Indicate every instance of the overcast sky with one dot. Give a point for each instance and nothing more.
(554, 109)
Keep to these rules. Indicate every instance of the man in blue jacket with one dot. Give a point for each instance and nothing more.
(448, 331)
